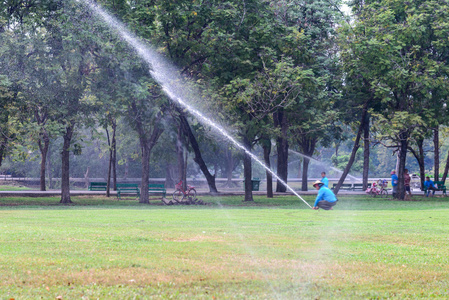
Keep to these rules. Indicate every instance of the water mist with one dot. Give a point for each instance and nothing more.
(172, 84)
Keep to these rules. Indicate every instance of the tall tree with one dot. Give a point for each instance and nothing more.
(259, 103)
(309, 40)
(401, 45)
(187, 131)
(50, 67)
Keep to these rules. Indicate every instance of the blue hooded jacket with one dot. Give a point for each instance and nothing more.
(325, 193)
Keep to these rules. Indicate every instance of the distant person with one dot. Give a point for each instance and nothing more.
(394, 182)
(324, 179)
(430, 186)
(407, 180)
(326, 198)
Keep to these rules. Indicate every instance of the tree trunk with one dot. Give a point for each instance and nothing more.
(307, 145)
(266, 145)
(397, 162)
(247, 171)
(180, 156)
(446, 168)
(108, 181)
(229, 167)
(366, 145)
(65, 170)
(114, 154)
(282, 167)
(44, 143)
(169, 171)
(148, 137)
(4, 136)
(112, 170)
(282, 150)
(86, 177)
(147, 145)
(2, 152)
(436, 145)
(184, 173)
(144, 196)
(305, 171)
(420, 159)
(403, 143)
(49, 170)
(422, 171)
(354, 149)
(198, 158)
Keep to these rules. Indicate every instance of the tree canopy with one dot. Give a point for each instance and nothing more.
(290, 73)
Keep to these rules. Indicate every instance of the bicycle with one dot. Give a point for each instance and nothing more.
(180, 194)
(378, 189)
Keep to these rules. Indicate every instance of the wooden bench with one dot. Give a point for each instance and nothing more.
(344, 186)
(157, 189)
(359, 186)
(127, 189)
(440, 187)
(97, 186)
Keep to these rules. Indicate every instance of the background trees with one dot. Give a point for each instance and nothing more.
(399, 51)
(271, 71)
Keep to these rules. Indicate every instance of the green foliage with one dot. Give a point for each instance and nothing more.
(393, 47)
(396, 63)
(341, 161)
(59, 66)
(391, 126)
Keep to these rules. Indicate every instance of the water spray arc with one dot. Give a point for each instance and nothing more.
(170, 81)
(229, 137)
(322, 163)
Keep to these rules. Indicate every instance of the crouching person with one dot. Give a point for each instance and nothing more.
(326, 198)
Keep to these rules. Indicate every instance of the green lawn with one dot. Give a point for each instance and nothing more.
(272, 249)
(4, 187)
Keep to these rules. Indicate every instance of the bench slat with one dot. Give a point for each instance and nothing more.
(127, 188)
(157, 189)
(344, 186)
(359, 186)
(97, 186)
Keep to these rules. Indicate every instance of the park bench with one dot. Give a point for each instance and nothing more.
(440, 187)
(127, 189)
(157, 189)
(359, 186)
(97, 186)
(344, 186)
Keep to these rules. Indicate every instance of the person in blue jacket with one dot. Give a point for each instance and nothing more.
(394, 182)
(324, 179)
(326, 198)
(430, 186)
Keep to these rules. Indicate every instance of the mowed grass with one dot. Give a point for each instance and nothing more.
(13, 188)
(271, 249)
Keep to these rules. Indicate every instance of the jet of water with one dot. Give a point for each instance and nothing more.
(171, 82)
(322, 163)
